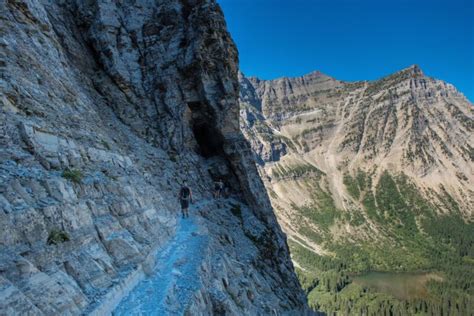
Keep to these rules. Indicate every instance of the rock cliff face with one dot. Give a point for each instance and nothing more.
(405, 122)
(379, 174)
(106, 107)
(318, 134)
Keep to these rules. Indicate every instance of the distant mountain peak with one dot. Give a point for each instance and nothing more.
(407, 120)
(386, 163)
(413, 70)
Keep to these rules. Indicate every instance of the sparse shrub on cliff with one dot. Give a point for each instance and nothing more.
(295, 171)
(73, 175)
(173, 156)
(57, 237)
(236, 210)
(351, 186)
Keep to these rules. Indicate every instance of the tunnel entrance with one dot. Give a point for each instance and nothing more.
(209, 140)
(209, 144)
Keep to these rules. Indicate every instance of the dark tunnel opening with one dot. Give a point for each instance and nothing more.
(209, 141)
(210, 145)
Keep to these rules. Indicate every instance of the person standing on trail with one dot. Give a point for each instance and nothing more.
(185, 196)
(218, 188)
(226, 190)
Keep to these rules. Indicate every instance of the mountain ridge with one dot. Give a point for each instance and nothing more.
(364, 165)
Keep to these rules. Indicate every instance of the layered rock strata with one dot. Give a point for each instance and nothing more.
(106, 107)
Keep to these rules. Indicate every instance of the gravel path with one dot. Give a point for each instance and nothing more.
(174, 279)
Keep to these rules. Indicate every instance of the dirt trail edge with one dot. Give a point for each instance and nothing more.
(167, 286)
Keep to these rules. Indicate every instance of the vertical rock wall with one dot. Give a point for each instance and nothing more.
(106, 106)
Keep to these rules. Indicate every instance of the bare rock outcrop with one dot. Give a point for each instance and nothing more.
(106, 106)
(314, 134)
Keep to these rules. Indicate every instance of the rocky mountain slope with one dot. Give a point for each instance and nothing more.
(378, 173)
(106, 107)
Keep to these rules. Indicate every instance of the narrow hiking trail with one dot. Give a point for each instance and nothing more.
(174, 278)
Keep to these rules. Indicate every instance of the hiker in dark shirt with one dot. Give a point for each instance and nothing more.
(218, 188)
(185, 197)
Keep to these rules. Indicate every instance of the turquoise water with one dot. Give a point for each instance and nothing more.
(400, 285)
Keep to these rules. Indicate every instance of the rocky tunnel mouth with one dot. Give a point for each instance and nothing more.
(210, 142)
(210, 145)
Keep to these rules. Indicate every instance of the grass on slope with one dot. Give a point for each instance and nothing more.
(416, 238)
(296, 170)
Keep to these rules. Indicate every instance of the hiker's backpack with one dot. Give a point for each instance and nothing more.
(185, 193)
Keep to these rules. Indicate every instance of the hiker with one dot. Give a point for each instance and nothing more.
(218, 188)
(226, 191)
(185, 196)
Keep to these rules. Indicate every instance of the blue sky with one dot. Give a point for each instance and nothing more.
(354, 39)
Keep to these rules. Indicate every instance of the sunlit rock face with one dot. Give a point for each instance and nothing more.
(326, 145)
(106, 107)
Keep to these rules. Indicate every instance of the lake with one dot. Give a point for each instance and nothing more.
(400, 285)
